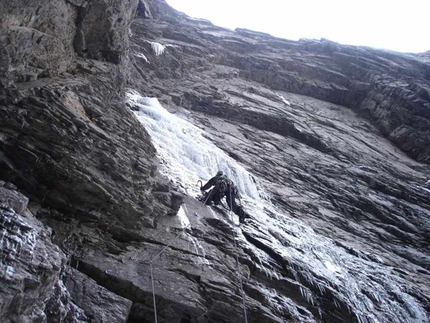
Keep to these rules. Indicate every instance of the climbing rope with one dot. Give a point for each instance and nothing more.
(207, 198)
(177, 236)
(153, 293)
(152, 275)
(239, 271)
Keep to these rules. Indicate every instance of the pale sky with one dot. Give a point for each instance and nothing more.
(397, 25)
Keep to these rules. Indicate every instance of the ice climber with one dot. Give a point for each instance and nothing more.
(223, 186)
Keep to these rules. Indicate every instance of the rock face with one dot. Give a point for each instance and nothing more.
(31, 263)
(42, 38)
(391, 89)
(32, 279)
(328, 144)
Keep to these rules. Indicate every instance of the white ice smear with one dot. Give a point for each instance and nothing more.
(17, 243)
(316, 262)
(199, 250)
(142, 56)
(157, 48)
(284, 100)
(418, 187)
(183, 218)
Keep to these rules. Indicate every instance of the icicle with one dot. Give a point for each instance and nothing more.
(157, 48)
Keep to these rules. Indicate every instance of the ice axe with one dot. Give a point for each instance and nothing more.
(206, 198)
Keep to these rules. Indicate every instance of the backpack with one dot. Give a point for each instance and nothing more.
(225, 185)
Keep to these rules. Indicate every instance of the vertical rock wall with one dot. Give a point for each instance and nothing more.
(36, 38)
(30, 264)
(69, 142)
(41, 39)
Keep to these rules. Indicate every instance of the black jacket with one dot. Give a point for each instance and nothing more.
(211, 182)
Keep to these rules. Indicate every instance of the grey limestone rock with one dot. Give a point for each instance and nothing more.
(36, 39)
(15, 200)
(102, 29)
(97, 303)
(29, 269)
(347, 237)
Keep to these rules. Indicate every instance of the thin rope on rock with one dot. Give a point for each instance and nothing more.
(207, 198)
(153, 294)
(150, 266)
(239, 271)
(177, 236)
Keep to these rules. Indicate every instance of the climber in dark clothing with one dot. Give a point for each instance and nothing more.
(223, 186)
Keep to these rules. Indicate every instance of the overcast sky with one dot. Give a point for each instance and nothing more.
(397, 25)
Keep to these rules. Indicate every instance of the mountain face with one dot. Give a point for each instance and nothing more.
(112, 110)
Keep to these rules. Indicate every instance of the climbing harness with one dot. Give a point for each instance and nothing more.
(152, 275)
(239, 271)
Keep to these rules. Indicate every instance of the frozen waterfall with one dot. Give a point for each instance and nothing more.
(187, 156)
